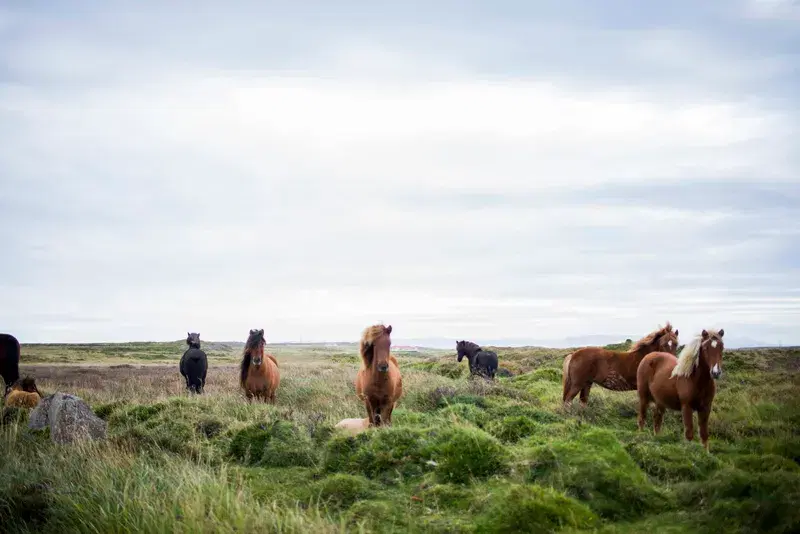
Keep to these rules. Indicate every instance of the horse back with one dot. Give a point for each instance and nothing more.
(271, 357)
(22, 399)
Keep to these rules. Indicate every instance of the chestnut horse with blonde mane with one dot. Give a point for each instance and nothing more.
(259, 375)
(612, 370)
(684, 384)
(378, 382)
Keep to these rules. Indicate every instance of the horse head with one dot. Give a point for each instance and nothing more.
(668, 340)
(711, 348)
(460, 350)
(376, 347)
(255, 346)
(193, 339)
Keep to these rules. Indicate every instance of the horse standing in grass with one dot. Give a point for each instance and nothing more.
(481, 362)
(9, 359)
(684, 384)
(259, 374)
(610, 369)
(23, 393)
(194, 364)
(379, 382)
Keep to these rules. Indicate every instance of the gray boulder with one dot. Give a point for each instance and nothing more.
(69, 418)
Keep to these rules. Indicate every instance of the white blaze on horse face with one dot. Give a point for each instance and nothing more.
(669, 343)
(714, 344)
(715, 370)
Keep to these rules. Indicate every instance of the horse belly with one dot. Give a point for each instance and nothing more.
(614, 381)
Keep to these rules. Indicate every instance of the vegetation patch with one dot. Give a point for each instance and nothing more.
(674, 462)
(594, 468)
(532, 508)
(275, 444)
(462, 453)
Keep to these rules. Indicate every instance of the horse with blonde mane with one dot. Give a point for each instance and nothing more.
(612, 370)
(259, 375)
(685, 384)
(23, 393)
(379, 382)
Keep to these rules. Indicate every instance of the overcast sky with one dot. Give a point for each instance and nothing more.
(455, 169)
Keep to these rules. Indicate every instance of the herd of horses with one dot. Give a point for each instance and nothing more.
(682, 382)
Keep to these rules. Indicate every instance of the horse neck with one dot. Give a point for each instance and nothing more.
(702, 371)
(638, 354)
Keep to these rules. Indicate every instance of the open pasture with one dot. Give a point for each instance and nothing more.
(462, 455)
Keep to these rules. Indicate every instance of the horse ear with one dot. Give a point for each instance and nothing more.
(704, 334)
(676, 332)
(389, 329)
(721, 332)
(261, 331)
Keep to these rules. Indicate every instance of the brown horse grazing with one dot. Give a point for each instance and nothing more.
(259, 375)
(378, 383)
(685, 383)
(23, 394)
(610, 369)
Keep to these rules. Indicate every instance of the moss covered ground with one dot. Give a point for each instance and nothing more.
(462, 456)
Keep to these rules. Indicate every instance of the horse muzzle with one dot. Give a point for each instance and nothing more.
(383, 367)
(716, 372)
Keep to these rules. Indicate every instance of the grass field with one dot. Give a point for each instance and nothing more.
(462, 456)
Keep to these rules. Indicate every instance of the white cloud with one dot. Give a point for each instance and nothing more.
(224, 199)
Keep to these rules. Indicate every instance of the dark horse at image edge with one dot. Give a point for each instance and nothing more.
(194, 364)
(481, 362)
(9, 359)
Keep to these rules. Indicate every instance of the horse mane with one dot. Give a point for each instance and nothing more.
(368, 337)
(473, 347)
(650, 338)
(689, 356)
(255, 338)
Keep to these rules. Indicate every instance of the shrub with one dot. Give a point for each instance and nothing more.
(276, 444)
(510, 429)
(388, 452)
(341, 490)
(464, 452)
(674, 462)
(737, 501)
(531, 508)
(595, 468)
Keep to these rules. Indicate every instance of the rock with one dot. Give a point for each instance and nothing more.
(69, 418)
(353, 426)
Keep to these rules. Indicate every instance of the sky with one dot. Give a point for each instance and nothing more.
(460, 170)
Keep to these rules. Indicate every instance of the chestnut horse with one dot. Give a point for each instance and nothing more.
(259, 375)
(378, 382)
(610, 369)
(685, 383)
(23, 393)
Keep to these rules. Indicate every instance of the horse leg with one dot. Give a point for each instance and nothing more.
(644, 402)
(688, 423)
(658, 418)
(570, 392)
(388, 414)
(702, 420)
(370, 412)
(585, 395)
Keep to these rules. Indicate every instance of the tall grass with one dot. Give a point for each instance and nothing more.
(462, 456)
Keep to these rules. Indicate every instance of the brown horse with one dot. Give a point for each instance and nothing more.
(23, 394)
(378, 383)
(611, 369)
(685, 383)
(259, 375)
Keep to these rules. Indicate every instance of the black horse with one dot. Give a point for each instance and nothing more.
(481, 362)
(9, 359)
(194, 364)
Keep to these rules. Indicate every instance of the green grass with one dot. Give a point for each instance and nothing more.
(462, 455)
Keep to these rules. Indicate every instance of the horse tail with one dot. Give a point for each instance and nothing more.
(565, 374)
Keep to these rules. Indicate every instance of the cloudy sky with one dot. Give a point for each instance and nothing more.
(476, 170)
